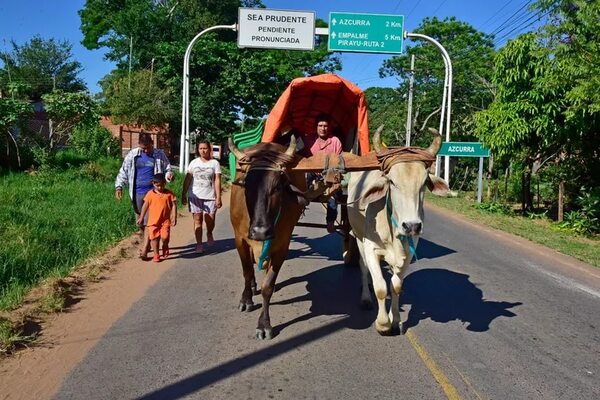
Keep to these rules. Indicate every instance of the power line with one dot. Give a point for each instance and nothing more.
(525, 16)
(508, 20)
(497, 12)
(537, 17)
(440, 6)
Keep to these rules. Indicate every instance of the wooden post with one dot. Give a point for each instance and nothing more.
(506, 184)
(121, 139)
(561, 198)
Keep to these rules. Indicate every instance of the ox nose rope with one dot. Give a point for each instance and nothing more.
(403, 238)
(266, 247)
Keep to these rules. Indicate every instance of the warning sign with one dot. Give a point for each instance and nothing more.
(276, 29)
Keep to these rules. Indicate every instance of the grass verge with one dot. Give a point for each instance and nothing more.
(55, 220)
(537, 230)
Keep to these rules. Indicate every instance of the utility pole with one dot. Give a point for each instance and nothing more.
(411, 81)
(53, 82)
(151, 71)
(130, 53)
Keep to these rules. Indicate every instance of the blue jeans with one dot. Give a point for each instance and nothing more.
(332, 203)
(332, 208)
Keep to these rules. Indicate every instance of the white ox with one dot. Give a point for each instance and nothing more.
(385, 210)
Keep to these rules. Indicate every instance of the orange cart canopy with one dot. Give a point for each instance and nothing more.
(306, 98)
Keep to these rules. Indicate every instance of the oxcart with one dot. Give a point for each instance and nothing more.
(385, 207)
(294, 114)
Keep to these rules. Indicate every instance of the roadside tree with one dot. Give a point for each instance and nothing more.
(42, 65)
(471, 53)
(66, 111)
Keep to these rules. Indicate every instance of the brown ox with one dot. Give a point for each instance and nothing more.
(265, 206)
(385, 209)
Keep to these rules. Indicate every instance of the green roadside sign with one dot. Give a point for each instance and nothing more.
(463, 149)
(366, 33)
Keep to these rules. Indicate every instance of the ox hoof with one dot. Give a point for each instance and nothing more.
(397, 329)
(263, 334)
(384, 330)
(246, 307)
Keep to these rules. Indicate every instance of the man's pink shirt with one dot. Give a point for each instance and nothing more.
(331, 145)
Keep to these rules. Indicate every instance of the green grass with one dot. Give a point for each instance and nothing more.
(11, 337)
(539, 230)
(53, 221)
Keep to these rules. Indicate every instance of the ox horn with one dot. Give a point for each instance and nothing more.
(233, 148)
(435, 145)
(377, 146)
(292, 147)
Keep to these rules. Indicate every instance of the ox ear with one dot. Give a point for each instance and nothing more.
(437, 185)
(298, 195)
(377, 190)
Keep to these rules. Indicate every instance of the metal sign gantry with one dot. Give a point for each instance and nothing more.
(295, 30)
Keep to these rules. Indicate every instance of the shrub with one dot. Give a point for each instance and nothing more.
(102, 169)
(94, 141)
(494, 207)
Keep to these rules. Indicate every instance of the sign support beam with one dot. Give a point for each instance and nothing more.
(446, 98)
(479, 179)
(184, 145)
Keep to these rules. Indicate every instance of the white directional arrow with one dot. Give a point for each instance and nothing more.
(333, 21)
(333, 35)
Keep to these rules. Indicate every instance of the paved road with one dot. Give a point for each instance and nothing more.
(488, 318)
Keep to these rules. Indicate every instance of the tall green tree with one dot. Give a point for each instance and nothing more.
(66, 111)
(42, 65)
(524, 122)
(572, 40)
(573, 36)
(387, 106)
(138, 99)
(471, 53)
(547, 110)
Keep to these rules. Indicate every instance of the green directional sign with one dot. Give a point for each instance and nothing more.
(463, 149)
(366, 33)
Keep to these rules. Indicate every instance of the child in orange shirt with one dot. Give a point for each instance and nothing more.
(160, 205)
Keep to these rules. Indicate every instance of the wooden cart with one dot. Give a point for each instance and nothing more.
(295, 112)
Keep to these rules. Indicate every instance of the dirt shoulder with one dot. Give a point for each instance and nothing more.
(65, 338)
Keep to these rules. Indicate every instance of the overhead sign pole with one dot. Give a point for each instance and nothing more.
(295, 30)
(447, 96)
(184, 145)
(265, 28)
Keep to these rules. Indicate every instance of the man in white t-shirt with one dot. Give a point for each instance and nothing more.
(202, 185)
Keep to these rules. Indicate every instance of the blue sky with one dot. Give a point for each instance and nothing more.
(22, 19)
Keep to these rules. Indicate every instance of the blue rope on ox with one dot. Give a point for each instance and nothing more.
(403, 238)
(266, 247)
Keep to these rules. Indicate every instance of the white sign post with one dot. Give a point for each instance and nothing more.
(276, 29)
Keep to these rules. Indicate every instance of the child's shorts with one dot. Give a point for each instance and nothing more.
(198, 206)
(159, 231)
